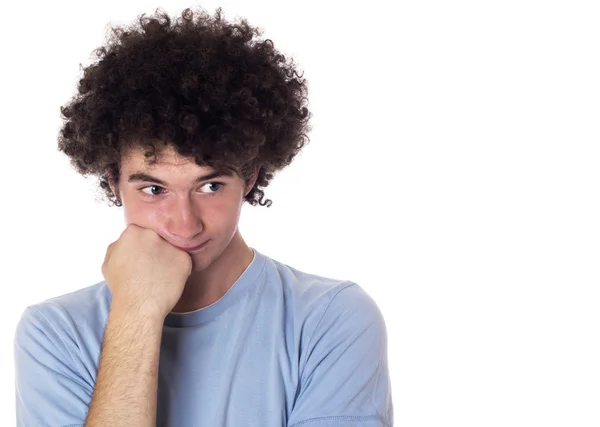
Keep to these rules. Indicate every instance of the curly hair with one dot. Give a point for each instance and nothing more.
(211, 89)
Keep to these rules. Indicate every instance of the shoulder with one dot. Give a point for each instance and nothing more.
(318, 299)
(70, 321)
(303, 287)
(76, 307)
(56, 351)
(339, 330)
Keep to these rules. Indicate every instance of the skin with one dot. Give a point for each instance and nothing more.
(186, 214)
(149, 276)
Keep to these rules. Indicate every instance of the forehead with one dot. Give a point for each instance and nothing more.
(166, 161)
(135, 157)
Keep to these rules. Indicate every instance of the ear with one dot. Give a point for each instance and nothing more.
(114, 186)
(252, 181)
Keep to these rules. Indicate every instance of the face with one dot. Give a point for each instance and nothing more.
(186, 204)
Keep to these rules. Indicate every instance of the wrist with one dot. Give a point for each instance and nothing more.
(136, 312)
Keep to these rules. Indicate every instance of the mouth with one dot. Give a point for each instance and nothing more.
(193, 249)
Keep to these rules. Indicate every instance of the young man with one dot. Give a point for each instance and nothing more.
(184, 120)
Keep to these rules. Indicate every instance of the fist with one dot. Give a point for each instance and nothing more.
(144, 272)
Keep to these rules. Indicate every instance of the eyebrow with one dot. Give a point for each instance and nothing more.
(140, 176)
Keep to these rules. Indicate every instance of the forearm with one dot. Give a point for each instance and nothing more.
(127, 380)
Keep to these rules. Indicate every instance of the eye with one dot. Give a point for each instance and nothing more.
(211, 186)
(155, 190)
(151, 187)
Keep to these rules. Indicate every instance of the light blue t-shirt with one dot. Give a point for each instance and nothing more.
(282, 348)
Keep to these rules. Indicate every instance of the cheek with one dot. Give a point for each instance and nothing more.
(217, 214)
(221, 217)
(144, 215)
(231, 209)
(220, 213)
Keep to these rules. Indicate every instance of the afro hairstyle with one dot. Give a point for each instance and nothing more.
(211, 89)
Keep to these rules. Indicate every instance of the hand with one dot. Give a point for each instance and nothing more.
(145, 272)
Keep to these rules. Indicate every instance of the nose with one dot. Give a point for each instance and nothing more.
(185, 223)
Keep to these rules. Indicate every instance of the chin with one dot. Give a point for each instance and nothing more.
(199, 263)
(203, 260)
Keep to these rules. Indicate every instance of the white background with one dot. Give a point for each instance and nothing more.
(452, 172)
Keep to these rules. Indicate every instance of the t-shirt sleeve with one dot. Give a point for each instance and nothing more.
(49, 390)
(344, 377)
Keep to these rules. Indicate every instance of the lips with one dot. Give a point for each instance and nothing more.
(194, 248)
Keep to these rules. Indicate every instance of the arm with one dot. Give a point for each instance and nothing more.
(344, 378)
(143, 292)
(127, 381)
(56, 387)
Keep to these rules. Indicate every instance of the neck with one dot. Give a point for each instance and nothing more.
(208, 285)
